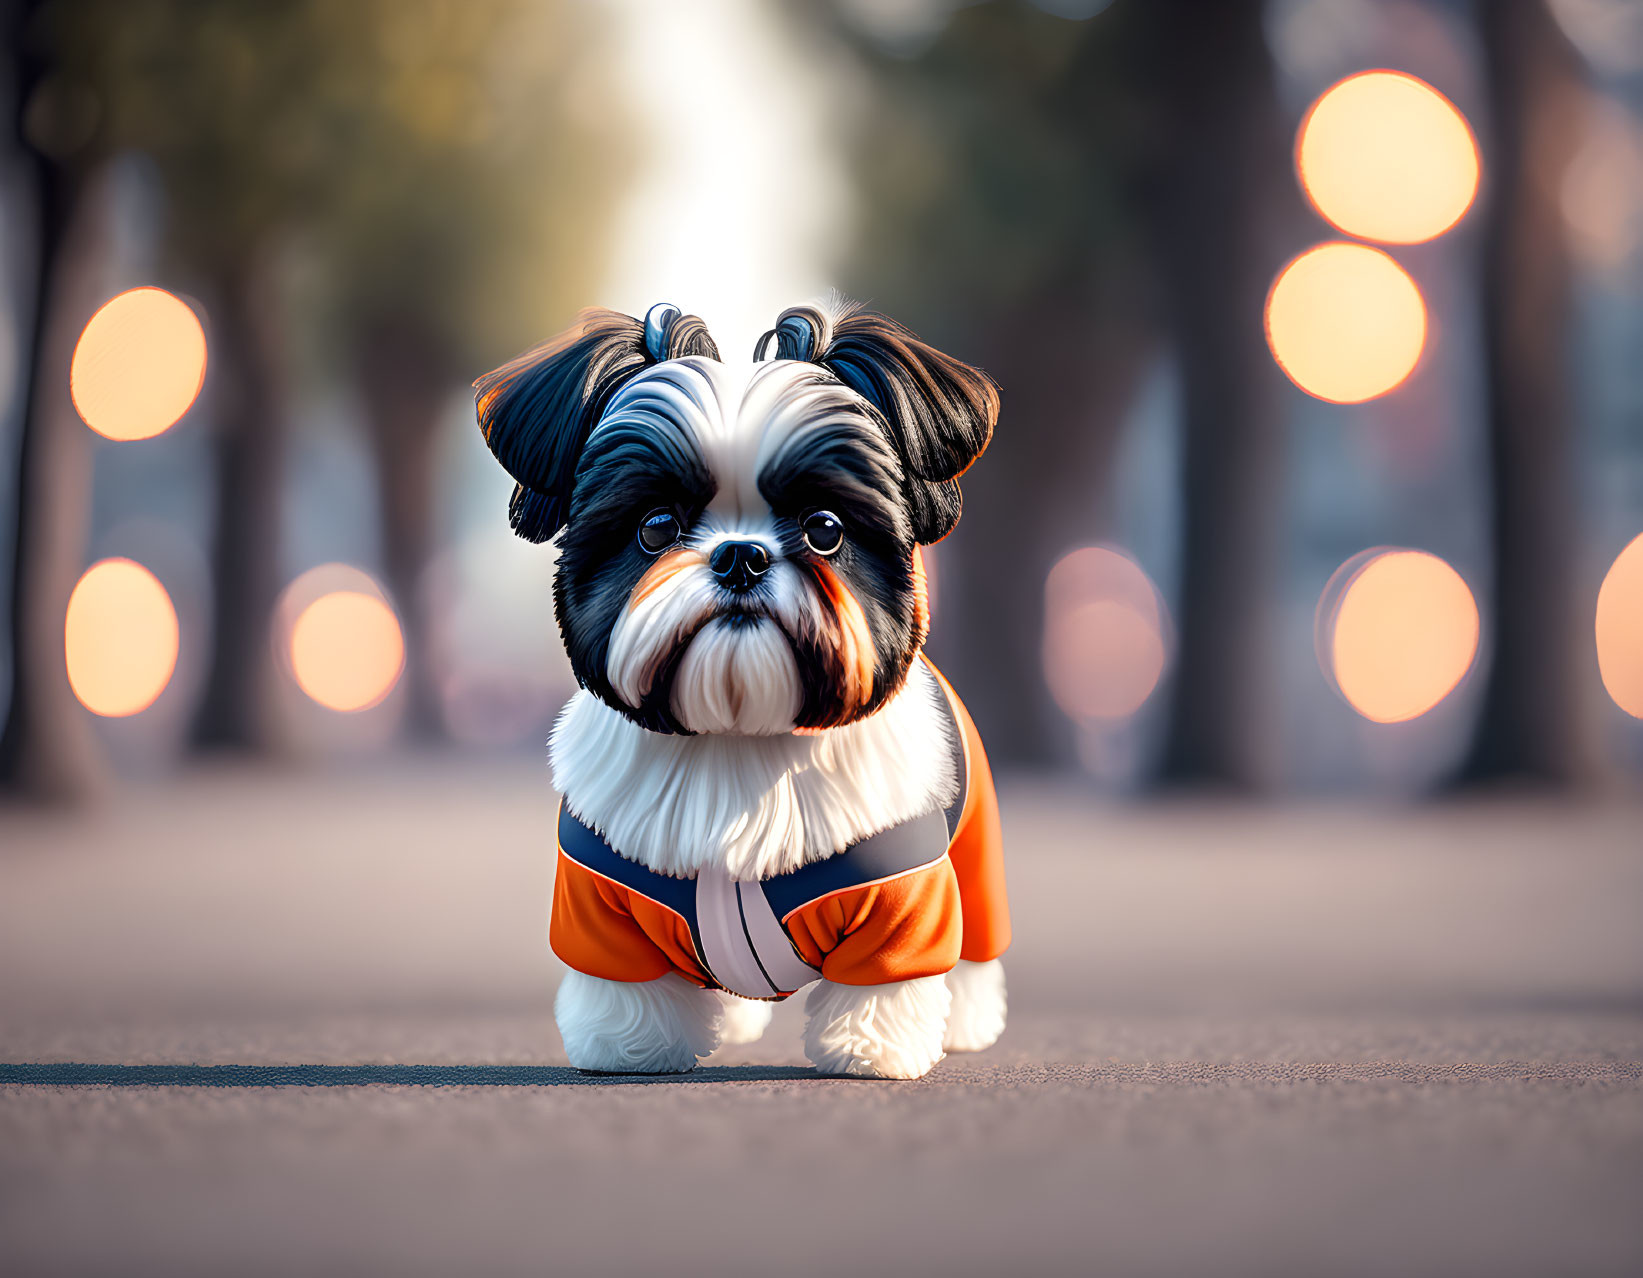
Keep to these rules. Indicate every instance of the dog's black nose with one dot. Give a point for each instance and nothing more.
(739, 564)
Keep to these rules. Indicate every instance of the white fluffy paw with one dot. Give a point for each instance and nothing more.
(745, 1019)
(876, 1031)
(641, 1027)
(977, 1017)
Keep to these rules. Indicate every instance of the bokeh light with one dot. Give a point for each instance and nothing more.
(1620, 629)
(119, 638)
(1345, 322)
(339, 638)
(1385, 156)
(1105, 643)
(1602, 195)
(1397, 630)
(138, 365)
(347, 651)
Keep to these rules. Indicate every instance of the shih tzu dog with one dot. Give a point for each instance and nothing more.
(765, 785)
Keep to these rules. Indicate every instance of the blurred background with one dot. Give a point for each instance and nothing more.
(1319, 482)
(1316, 320)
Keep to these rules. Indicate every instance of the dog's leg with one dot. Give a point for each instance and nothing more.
(977, 1018)
(745, 1019)
(637, 1027)
(876, 1031)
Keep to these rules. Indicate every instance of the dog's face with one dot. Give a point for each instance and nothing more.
(739, 550)
(739, 556)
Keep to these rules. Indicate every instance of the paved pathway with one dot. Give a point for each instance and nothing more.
(304, 1025)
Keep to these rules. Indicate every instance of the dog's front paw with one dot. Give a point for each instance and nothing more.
(876, 1031)
(641, 1027)
(977, 1017)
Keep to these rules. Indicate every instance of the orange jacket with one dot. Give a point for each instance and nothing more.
(909, 901)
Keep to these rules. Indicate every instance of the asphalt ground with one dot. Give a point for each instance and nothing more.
(301, 1023)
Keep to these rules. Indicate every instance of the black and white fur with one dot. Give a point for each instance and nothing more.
(758, 730)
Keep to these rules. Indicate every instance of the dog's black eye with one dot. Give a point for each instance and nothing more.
(658, 530)
(823, 531)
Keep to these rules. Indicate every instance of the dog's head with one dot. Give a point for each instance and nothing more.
(738, 544)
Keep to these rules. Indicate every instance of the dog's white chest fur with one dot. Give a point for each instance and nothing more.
(757, 806)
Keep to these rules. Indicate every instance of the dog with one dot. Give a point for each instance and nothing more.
(765, 784)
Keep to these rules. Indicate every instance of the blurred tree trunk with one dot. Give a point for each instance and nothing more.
(1068, 367)
(249, 407)
(1534, 722)
(405, 381)
(1215, 168)
(48, 749)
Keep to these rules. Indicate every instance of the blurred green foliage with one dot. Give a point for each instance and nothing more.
(391, 194)
(990, 165)
(449, 163)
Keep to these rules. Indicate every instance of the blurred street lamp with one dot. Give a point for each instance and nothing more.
(1385, 156)
(1620, 629)
(1105, 644)
(139, 364)
(1345, 322)
(119, 638)
(1396, 632)
(340, 638)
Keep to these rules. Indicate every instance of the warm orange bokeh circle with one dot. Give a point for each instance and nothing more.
(119, 638)
(1385, 156)
(1620, 629)
(347, 650)
(1345, 322)
(139, 364)
(1397, 632)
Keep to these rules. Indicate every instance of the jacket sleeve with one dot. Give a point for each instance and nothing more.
(977, 851)
(978, 846)
(593, 929)
(893, 930)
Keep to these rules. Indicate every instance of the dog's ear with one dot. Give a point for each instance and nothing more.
(940, 412)
(537, 411)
